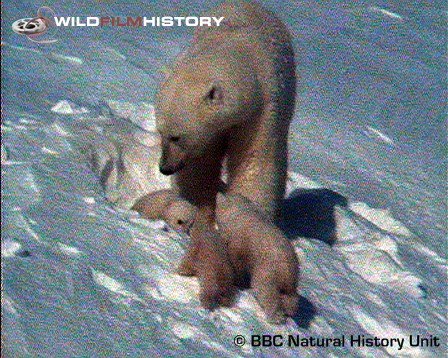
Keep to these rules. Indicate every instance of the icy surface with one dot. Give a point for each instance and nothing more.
(84, 278)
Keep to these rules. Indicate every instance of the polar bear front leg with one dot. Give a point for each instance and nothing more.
(211, 264)
(198, 185)
(188, 263)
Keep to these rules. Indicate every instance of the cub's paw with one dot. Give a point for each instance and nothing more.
(290, 304)
(269, 298)
(278, 298)
(214, 295)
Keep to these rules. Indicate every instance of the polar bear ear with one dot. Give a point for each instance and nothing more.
(214, 94)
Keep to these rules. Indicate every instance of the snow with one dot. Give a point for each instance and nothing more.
(10, 248)
(381, 218)
(367, 164)
(67, 107)
(386, 12)
(380, 135)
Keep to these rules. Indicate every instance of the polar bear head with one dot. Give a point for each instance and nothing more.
(206, 95)
(180, 215)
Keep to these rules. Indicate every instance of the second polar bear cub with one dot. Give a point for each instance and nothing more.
(272, 272)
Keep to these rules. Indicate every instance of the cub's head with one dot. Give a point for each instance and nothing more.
(200, 101)
(180, 215)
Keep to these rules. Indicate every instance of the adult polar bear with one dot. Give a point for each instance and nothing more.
(229, 95)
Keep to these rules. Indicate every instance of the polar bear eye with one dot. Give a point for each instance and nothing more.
(214, 94)
(174, 138)
(180, 222)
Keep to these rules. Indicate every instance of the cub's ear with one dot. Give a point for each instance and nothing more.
(214, 94)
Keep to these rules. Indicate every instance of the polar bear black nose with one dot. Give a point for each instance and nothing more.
(166, 171)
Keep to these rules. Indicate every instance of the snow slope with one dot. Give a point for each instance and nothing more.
(83, 278)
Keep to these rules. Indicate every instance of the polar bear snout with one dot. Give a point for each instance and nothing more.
(173, 157)
(167, 168)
